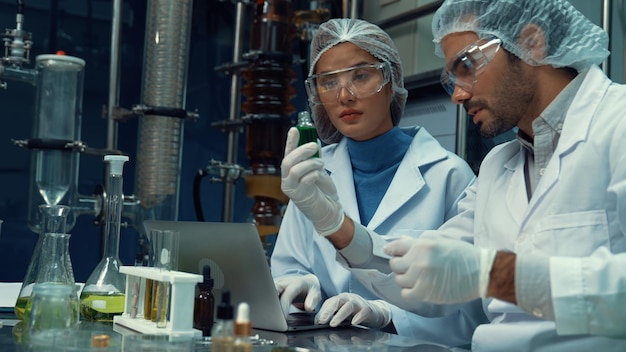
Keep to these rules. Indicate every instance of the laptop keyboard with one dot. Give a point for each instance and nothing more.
(301, 319)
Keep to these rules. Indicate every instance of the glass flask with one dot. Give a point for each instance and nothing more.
(53, 272)
(307, 130)
(53, 220)
(104, 291)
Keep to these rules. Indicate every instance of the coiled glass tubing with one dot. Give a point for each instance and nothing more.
(159, 149)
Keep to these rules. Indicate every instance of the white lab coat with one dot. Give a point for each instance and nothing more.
(422, 195)
(578, 206)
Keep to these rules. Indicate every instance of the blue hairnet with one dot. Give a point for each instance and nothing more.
(370, 38)
(571, 39)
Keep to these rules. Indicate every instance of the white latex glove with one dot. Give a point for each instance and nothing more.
(291, 287)
(306, 183)
(373, 314)
(440, 270)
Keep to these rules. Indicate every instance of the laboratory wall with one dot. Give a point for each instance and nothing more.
(428, 105)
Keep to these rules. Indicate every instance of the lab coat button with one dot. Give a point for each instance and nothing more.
(542, 171)
(538, 313)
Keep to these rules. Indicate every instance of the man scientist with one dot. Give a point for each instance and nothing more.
(540, 235)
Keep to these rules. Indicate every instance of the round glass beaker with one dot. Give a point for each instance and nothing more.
(50, 311)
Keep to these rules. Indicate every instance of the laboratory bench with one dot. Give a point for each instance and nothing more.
(352, 339)
(13, 337)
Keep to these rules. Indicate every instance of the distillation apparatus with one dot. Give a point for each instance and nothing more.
(56, 141)
(268, 112)
(56, 137)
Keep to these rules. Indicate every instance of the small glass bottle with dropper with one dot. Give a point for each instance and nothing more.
(222, 332)
(204, 303)
(104, 291)
(242, 329)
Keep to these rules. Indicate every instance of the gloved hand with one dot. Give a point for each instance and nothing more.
(440, 270)
(306, 183)
(291, 287)
(373, 314)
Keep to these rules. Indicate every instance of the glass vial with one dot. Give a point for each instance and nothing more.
(52, 220)
(204, 303)
(307, 129)
(103, 294)
(242, 329)
(222, 332)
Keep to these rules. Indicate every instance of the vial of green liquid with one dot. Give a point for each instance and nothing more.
(307, 129)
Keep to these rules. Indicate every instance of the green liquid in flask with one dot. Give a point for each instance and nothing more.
(306, 129)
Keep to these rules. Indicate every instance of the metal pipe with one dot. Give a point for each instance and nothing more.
(461, 132)
(19, 74)
(606, 25)
(114, 75)
(350, 8)
(410, 15)
(235, 98)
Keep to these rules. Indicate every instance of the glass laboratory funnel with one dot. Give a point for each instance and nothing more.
(57, 124)
(104, 292)
(53, 220)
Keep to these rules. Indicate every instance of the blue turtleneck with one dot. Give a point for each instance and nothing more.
(374, 163)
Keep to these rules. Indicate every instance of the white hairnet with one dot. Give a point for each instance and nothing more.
(370, 38)
(571, 39)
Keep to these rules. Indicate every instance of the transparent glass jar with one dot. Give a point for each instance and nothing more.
(50, 310)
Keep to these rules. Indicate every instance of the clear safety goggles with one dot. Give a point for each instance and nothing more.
(361, 81)
(468, 64)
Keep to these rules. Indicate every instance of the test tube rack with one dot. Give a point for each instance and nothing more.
(183, 286)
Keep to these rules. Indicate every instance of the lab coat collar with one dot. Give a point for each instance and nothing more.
(424, 150)
(575, 128)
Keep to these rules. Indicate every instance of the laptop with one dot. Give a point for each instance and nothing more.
(239, 264)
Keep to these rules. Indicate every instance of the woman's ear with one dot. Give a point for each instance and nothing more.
(532, 39)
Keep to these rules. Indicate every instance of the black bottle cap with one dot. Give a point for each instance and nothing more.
(225, 309)
(208, 280)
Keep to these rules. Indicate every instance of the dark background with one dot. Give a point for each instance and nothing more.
(83, 29)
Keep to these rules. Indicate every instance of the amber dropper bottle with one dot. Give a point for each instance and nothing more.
(204, 304)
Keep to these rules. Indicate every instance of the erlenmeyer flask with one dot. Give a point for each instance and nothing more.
(53, 267)
(104, 292)
(53, 220)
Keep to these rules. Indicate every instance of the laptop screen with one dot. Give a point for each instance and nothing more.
(238, 263)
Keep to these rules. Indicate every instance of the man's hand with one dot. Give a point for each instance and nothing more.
(440, 270)
(306, 183)
(291, 287)
(373, 314)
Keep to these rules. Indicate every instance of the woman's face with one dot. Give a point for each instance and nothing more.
(357, 118)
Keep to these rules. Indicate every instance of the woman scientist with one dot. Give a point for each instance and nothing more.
(393, 179)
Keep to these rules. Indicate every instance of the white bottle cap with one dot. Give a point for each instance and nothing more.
(117, 163)
(243, 312)
(242, 325)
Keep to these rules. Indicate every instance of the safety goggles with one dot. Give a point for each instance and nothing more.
(361, 81)
(468, 64)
